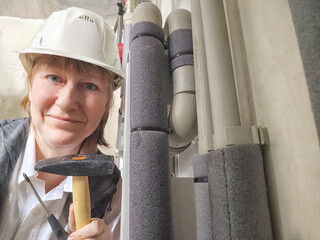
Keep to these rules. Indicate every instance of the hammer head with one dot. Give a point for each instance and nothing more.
(77, 165)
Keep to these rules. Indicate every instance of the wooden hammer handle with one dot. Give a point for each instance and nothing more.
(81, 201)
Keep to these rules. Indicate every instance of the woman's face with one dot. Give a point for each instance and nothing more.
(66, 106)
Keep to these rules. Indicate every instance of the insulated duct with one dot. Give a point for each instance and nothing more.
(150, 200)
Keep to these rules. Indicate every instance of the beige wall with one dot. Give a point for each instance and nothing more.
(282, 105)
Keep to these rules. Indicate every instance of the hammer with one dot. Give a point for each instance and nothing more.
(79, 166)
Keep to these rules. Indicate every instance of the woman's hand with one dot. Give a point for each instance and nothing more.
(95, 230)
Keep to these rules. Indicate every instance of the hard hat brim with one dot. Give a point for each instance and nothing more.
(28, 55)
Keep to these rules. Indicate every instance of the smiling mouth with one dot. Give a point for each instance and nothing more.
(62, 119)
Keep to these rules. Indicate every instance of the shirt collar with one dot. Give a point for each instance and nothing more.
(68, 184)
(29, 160)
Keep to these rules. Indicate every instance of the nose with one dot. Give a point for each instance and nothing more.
(68, 99)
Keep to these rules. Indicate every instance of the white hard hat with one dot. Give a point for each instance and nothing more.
(79, 34)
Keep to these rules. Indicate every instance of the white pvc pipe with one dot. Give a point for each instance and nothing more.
(182, 117)
(204, 116)
(240, 63)
(130, 5)
(177, 19)
(224, 105)
(125, 200)
(152, 15)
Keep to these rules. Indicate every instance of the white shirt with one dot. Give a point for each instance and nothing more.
(22, 217)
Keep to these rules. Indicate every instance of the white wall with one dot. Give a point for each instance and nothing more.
(15, 34)
(282, 105)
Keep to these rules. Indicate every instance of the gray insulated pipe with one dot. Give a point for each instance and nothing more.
(202, 200)
(232, 180)
(150, 200)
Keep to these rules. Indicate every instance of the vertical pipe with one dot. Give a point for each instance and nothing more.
(224, 105)
(120, 21)
(126, 36)
(121, 109)
(125, 200)
(204, 116)
(182, 115)
(202, 196)
(150, 198)
(240, 63)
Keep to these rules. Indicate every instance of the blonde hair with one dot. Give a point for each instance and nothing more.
(97, 137)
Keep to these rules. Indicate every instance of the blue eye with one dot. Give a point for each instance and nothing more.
(90, 86)
(53, 78)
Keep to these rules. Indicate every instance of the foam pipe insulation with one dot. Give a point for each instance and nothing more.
(238, 196)
(202, 200)
(150, 200)
(148, 71)
(182, 117)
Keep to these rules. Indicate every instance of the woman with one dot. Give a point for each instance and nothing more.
(73, 67)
